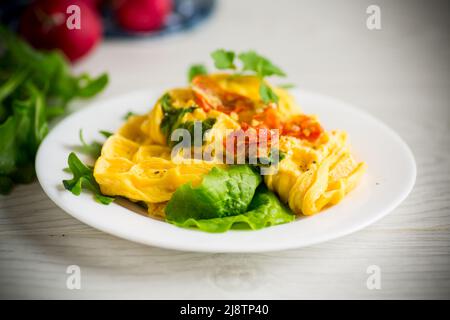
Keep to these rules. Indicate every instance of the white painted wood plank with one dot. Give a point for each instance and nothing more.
(399, 74)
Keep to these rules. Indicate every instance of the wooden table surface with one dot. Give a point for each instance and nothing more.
(400, 74)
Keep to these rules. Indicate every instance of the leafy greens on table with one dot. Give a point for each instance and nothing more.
(35, 87)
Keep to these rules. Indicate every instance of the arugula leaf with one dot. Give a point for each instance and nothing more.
(128, 115)
(206, 125)
(35, 87)
(83, 178)
(88, 87)
(166, 103)
(106, 134)
(39, 122)
(6, 184)
(11, 84)
(24, 174)
(8, 146)
(259, 64)
(267, 94)
(3, 113)
(195, 70)
(54, 111)
(287, 86)
(223, 59)
(49, 70)
(171, 116)
(21, 135)
(92, 149)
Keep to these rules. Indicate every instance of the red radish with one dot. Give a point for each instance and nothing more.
(44, 25)
(95, 4)
(142, 15)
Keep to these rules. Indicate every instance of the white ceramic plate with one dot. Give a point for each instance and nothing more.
(390, 177)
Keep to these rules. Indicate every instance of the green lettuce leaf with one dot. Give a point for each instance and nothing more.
(265, 210)
(222, 193)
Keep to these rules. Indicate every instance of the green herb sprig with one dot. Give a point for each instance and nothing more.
(250, 62)
(94, 148)
(205, 125)
(83, 178)
(83, 174)
(129, 114)
(172, 116)
(195, 70)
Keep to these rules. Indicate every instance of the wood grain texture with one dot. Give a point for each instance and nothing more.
(400, 74)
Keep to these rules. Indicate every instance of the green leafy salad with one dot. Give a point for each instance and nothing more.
(35, 87)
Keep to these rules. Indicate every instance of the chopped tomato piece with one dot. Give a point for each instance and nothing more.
(210, 95)
(302, 127)
(269, 118)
